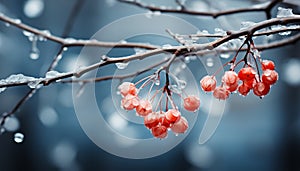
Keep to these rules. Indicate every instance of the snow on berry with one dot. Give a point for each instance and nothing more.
(221, 93)
(261, 89)
(230, 78)
(144, 108)
(127, 88)
(208, 83)
(267, 64)
(191, 103)
(151, 120)
(159, 131)
(163, 120)
(246, 74)
(172, 115)
(250, 83)
(244, 89)
(180, 126)
(232, 87)
(270, 76)
(130, 102)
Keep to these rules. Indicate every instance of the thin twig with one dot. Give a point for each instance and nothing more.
(260, 8)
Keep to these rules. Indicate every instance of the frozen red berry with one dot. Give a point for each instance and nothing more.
(208, 83)
(221, 93)
(144, 108)
(267, 64)
(230, 78)
(246, 74)
(180, 126)
(163, 120)
(250, 83)
(269, 76)
(191, 103)
(172, 115)
(130, 102)
(244, 89)
(151, 120)
(261, 89)
(159, 131)
(232, 87)
(127, 88)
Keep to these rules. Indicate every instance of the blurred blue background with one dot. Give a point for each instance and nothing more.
(254, 134)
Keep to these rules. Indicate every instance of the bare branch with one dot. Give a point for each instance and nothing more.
(261, 8)
(73, 42)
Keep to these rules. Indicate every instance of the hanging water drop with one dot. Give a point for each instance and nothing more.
(256, 53)
(156, 13)
(209, 62)
(157, 82)
(2, 89)
(181, 84)
(27, 33)
(7, 24)
(149, 14)
(2, 130)
(175, 89)
(225, 55)
(18, 137)
(122, 65)
(183, 66)
(187, 59)
(34, 53)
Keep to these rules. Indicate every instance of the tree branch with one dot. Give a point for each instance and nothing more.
(67, 42)
(256, 8)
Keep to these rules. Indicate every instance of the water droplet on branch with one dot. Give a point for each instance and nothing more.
(284, 12)
(53, 74)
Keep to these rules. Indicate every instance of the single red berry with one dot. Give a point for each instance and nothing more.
(261, 89)
(269, 76)
(247, 73)
(232, 87)
(230, 78)
(159, 131)
(129, 102)
(163, 120)
(151, 120)
(127, 88)
(144, 108)
(267, 64)
(221, 93)
(250, 83)
(191, 103)
(244, 89)
(172, 115)
(180, 126)
(208, 83)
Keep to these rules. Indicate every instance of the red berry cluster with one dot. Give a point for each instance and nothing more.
(158, 122)
(247, 79)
